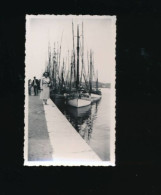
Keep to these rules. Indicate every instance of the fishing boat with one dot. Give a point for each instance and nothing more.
(67, 76)
(77, 98)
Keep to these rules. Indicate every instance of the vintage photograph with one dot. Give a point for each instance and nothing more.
(70, 90)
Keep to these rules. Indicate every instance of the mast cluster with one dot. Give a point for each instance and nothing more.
(68, 73)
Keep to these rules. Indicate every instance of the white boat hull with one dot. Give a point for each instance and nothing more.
(76, 102)
(81, 112)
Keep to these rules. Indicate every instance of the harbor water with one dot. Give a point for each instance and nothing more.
(91, 122)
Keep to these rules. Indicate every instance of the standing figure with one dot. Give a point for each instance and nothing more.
(39, 81)
(29, 86)
(35, 84)
(45, 87)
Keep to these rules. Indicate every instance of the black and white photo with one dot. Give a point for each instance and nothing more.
(70, 90)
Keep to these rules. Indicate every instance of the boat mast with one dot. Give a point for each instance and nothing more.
(73, 53)
(82, 53)
(77, 82)
(68, 72)
(97, 81)
(62, 74)
(88, 64)
(93, 70)
(71, 71)
(60, 49)
(54, 68)
(49, 61)
(90, 76)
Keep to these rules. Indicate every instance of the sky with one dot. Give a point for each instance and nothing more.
(99, 35)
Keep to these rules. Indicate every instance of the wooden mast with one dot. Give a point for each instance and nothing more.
(93, 69)
(88, 65)
(68, 70)
(54, 68)
(62, 76)
(71, 74)
(90, 76)
(77, 82)
(82, 54)
(73, 53)
(49, 59)
(97, 81)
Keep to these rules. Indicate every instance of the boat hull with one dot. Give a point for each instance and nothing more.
(78, 103)
(82, 112)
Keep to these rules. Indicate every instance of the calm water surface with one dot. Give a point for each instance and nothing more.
(92, 123)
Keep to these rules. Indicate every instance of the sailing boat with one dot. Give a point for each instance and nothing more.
(77, 98)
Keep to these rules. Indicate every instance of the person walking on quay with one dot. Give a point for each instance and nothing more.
(29, 86)
(35, 84)
(45, 87)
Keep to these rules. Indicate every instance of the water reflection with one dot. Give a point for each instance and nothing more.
(86, 129)
(81, 118)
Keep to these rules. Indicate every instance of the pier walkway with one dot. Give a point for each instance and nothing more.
(51, 137)
(39, 146)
